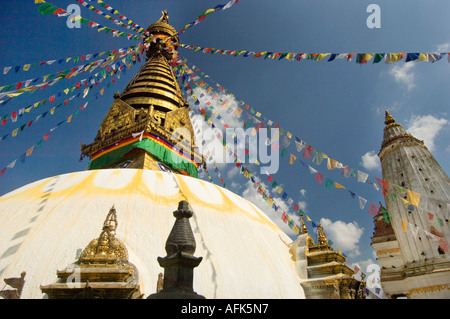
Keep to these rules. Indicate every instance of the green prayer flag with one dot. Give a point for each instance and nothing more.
(46, 9)
(283, 153)
(378, 57)
(329, 183)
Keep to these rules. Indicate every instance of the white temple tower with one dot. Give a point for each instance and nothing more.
(412, 242)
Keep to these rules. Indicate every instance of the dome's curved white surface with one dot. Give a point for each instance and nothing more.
(43, 224)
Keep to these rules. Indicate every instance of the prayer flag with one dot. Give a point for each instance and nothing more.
(404, 225)
(307, 152)
(292, 159)
(329, 183)
(362, 177)
(362, 202)
(373, 209)
(319, 177)
(413, 198)
(318, 157)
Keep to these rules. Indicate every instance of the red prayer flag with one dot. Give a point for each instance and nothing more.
(51, 99)
(319, 177)
(430, 216)
(59, 10)
(46, 136)
(296, 207)
(373, 209)
(18, 85)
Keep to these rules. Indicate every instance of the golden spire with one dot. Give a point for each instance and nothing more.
(304, 230)
(388, 118)
(389, 121)
(106, 248)
(321, 238)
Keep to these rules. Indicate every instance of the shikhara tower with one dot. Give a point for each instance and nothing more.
(412, 243)
(148, 124)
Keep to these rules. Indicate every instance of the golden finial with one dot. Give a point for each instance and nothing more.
(106, 247)
(321, 238)
(164, 17)
(304, 229)
(111, 221)
(388, 119)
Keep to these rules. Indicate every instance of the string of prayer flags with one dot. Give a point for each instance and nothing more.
(386, 187)
(269, 199)
(45, 138)
(46, 8)
(361, 58)
(50, 79)
(116, 66)
(52, 111)
(75, 59)
(362, 201)
(129, 23)
(204, 14)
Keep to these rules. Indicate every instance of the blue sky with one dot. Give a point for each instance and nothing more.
(337, 107)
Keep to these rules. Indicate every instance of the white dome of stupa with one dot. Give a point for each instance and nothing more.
(45, 223)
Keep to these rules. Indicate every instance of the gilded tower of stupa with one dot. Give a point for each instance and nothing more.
(148, 124)
(410, 245)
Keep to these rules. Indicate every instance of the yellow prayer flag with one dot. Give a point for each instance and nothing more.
(368, 56)
(331, 163)
(14, 94)
(52, 110)
(423, 57)
(69, 119)
(290, 56)
(39, 1)
(308, 219)
(393, 57)
(26, 67)
(258, 114)
(36, 104)
(279, 190)
(413, 198)
(404, 225)
(404, 200)
(14, 133)
(28, 109)
(337, 185)
(322, 55)
(66, 91)
(30, 150)
(289, 134)
(292, 159)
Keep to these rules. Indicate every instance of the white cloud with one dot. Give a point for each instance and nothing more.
(426, 128)
(443, 47)
(370, 161)
(403, 74)
(345, 236)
